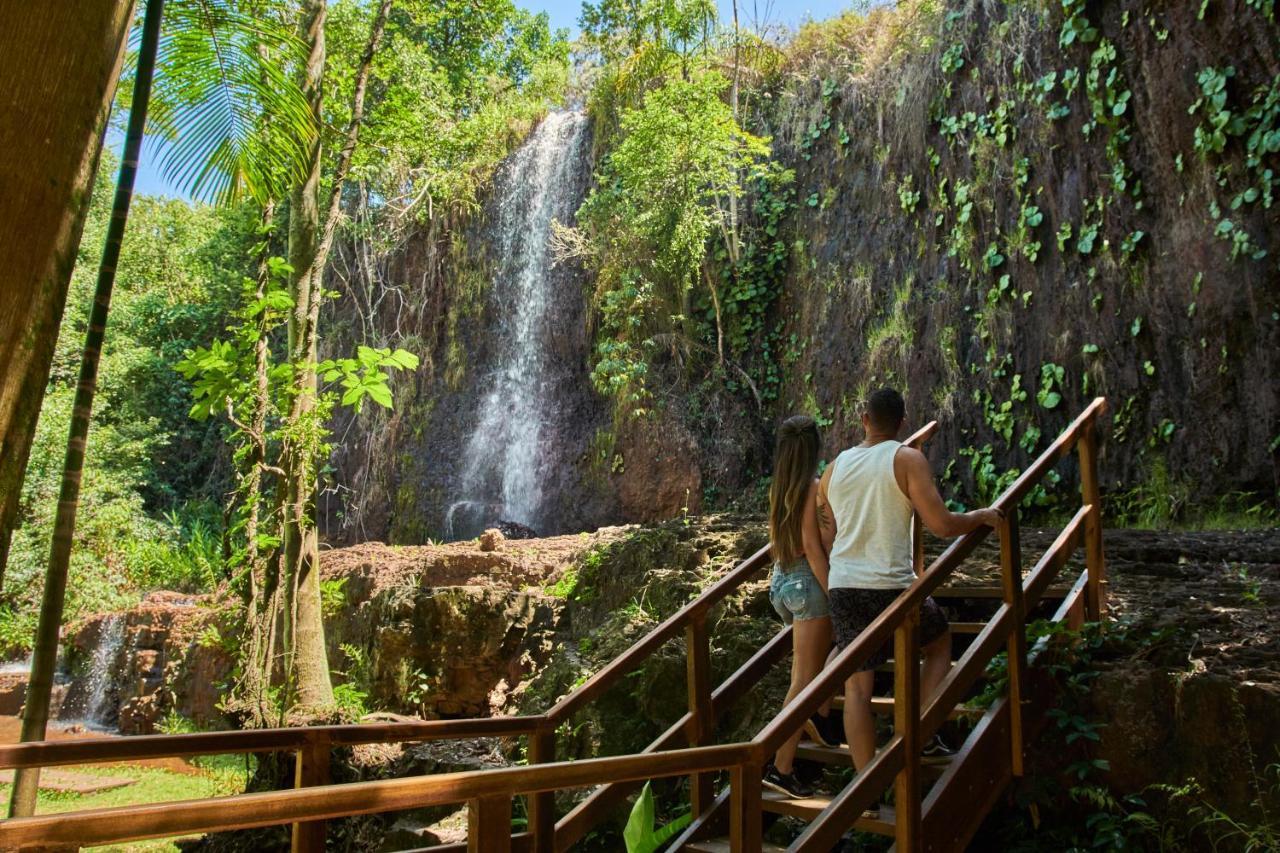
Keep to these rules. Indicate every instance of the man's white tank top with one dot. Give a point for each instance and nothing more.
(872, 548)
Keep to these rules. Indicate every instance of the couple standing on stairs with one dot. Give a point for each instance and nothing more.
(842, 553)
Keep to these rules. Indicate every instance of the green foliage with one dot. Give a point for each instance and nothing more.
(1051, 378)
(333, 596)
(662, 196)
(225, 108)
(145, 519)
(1259, 126)
(455, 86)
(641, 834)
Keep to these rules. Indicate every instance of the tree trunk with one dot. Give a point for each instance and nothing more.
(309, 246)
(36, 714)
(306, 660)
(59, 68)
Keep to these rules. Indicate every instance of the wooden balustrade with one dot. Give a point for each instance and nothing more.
(489, 793)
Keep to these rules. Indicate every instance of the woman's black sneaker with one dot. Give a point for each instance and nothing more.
(936, 751)
(785, 783)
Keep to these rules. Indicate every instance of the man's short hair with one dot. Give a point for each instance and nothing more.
(886, 409)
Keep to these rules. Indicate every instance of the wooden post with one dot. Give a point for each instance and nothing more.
(542, 805)
(1095, 562)
(906, 724)
(489, 824)
(1011, 577)
(701, 730)
(745, 819)
(311, 768)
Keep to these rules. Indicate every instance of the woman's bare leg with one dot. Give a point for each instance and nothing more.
(810, 639)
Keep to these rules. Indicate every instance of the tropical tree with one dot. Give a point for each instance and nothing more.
(35, 717)
(215, 60)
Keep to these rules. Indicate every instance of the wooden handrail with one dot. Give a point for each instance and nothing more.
(47, 753)
(1061, 446)
(490, 791)
(573, 826)
(246, 811)
(878, 632)
(669, 628)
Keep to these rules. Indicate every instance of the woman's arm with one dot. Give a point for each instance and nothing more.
(811, 536)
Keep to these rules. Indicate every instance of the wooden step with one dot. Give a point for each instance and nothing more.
(721, 845)
(991, 592)
(808, 808)
(839, 756)
(967, 627)
(884, 705)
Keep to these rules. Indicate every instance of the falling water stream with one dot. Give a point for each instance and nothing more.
(501, 476)
(99, 710)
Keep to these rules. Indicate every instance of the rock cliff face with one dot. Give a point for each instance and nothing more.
(1004, 208)
(129, 670)
(449, 630)
(1010, 220)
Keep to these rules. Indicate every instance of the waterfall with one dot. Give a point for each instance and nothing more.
(503, 457)
(99, 706)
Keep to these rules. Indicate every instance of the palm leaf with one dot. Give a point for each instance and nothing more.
(227, 114)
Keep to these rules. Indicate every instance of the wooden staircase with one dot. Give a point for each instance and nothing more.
(932, 808)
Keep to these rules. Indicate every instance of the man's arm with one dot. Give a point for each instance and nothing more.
(811, 536)
(913, 470)
(826, 518)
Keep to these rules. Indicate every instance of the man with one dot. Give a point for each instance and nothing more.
(867, 496)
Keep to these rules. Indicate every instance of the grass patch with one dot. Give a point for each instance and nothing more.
(217, 776)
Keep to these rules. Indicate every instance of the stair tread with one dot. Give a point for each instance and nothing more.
(984, 591)
(807, 808)
(721, 845)
(811, 751)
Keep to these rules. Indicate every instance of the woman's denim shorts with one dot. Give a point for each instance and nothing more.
(796, 594)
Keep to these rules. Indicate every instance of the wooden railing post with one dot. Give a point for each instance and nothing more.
(906, 724)
(701, 730)
(542, 805)
(1095, 562)
(1011, 578)
(746, 826)
(311, 768)
(489, 824)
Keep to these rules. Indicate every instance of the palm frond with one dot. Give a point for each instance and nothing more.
(227, 114)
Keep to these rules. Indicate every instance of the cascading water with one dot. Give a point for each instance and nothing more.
(501, 471)
(98, 710)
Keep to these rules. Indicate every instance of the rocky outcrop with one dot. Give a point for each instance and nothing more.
(168, 658)
(450, 630)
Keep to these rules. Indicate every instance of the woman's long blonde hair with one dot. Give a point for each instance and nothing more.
(795, 463)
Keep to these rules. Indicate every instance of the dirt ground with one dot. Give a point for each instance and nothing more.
(1219, 588)
(513, 563)
(11, 729)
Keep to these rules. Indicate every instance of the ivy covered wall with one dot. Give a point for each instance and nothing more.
(1008, 208)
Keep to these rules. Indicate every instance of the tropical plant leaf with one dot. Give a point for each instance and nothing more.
(226, 113)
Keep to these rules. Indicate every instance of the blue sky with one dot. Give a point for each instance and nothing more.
(564, 13)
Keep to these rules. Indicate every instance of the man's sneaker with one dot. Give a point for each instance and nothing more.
(825, 731)
(785, 783)
(936, 751)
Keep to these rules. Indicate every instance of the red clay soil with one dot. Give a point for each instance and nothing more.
(11, 730)
(513, 563)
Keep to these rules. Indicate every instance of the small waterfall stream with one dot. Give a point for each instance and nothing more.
(505, 453)
(99, 709)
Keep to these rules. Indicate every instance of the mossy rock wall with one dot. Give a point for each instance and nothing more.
(1006, 220)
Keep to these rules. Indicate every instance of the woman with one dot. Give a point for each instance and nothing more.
(798, 586)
